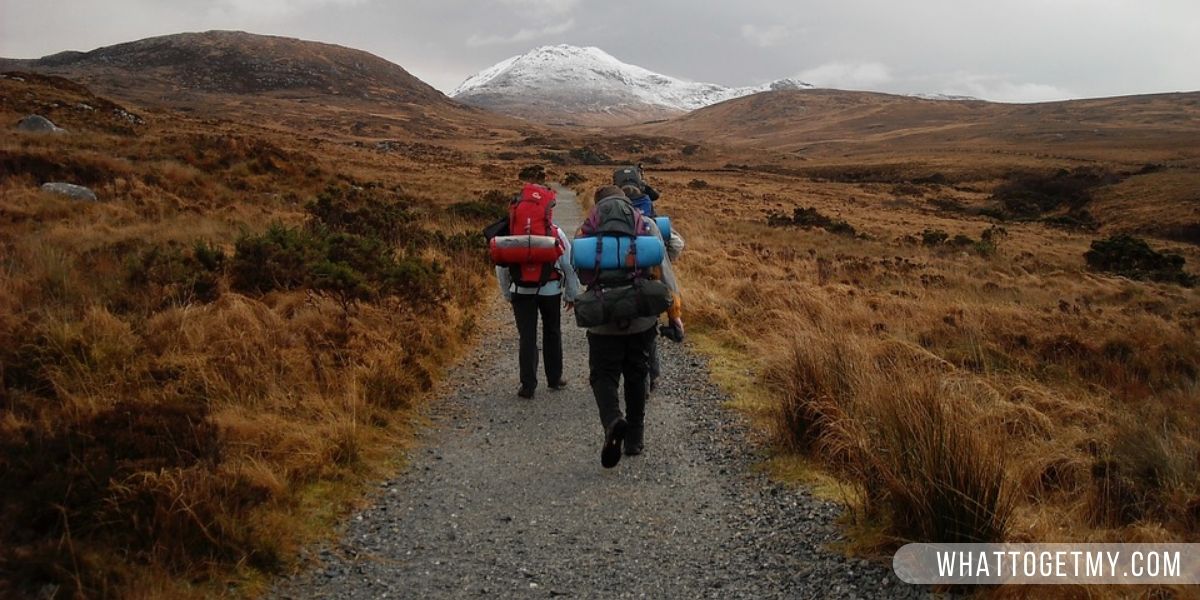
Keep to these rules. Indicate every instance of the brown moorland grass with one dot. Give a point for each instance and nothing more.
(166, 428)
(174, 430)
(963, 386)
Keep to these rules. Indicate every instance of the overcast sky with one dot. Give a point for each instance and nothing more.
(1005, 50)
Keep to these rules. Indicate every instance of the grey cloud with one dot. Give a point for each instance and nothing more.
(524, 35)
(1020, 50)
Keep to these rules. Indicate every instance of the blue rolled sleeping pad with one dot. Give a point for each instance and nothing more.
(664, 226)
(614, 249)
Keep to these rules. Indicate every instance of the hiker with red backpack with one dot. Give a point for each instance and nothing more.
(622, 261)
(533, 268)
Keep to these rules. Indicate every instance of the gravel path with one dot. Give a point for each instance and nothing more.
(506, 497)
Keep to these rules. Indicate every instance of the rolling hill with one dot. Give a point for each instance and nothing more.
(276, 81)
(806, 122)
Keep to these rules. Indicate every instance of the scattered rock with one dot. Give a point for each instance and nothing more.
(70, 190)
(128, 117)
(38, 124)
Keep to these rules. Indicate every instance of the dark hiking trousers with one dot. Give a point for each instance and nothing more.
(525, 309)
(612, 357)
(655, 363)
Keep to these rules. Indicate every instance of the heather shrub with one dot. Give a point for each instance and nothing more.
(1132, 257)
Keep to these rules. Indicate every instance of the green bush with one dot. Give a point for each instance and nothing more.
(177, 277)
(346, 266)
(1029, 195)
(986, 245)
(532, 173)
(492, 205)
(279, 259)
(1132, 257)
(365, 211)
(589, 156)
(808, 218)
(934, 237)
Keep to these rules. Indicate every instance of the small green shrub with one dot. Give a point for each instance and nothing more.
(1132, 257)
(589, 156)
(1029, 195)
(934, 237)
(279, 259)
(174, 276)
(492, 205)
(347, 266)
(365, 211)
(961, 241)
(532, 173)
(808, 218)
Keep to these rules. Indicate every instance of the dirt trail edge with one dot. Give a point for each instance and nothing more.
(506, 497)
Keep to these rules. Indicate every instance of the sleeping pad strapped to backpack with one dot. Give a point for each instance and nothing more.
(626, 292)
(532, 245)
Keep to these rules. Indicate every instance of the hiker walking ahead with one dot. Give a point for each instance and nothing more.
(533, 268)
(635, 190)
(618, 250)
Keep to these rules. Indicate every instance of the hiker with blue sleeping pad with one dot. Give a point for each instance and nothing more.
(635, 188)
(533, 268)
(622, 261)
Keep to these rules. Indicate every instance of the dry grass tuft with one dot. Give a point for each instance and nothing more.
(959, 394)
(164, 427)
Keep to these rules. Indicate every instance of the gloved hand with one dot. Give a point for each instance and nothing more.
(672, 331)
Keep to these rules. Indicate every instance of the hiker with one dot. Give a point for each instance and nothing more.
(641, 201)
(533, 269)
(626, 292)
(635, 175)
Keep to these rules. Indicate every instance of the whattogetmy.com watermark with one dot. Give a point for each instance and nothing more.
(1041, 564)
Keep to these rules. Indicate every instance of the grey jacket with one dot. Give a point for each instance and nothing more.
(642, 324)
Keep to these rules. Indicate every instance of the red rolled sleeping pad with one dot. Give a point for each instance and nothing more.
(524, 249)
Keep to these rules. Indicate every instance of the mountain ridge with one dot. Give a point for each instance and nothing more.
(237, 62)
(586, 85)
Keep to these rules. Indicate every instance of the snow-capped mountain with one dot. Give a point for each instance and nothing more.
(589, 86)
(946, 97)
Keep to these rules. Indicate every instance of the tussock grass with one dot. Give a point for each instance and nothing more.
(170, 429)
(959, 395)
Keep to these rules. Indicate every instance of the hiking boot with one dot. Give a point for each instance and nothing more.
(633, 440)
(610, 454)
(525, 392)
(561, 384)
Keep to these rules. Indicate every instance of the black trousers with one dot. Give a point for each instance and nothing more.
(526, 308)
(612, 357)
(655, 363)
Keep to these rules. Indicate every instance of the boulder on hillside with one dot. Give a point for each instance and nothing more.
(69, 190)
(38, 124)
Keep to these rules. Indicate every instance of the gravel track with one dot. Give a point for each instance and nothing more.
(506, 497)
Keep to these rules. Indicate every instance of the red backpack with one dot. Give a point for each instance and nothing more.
(532, 214)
